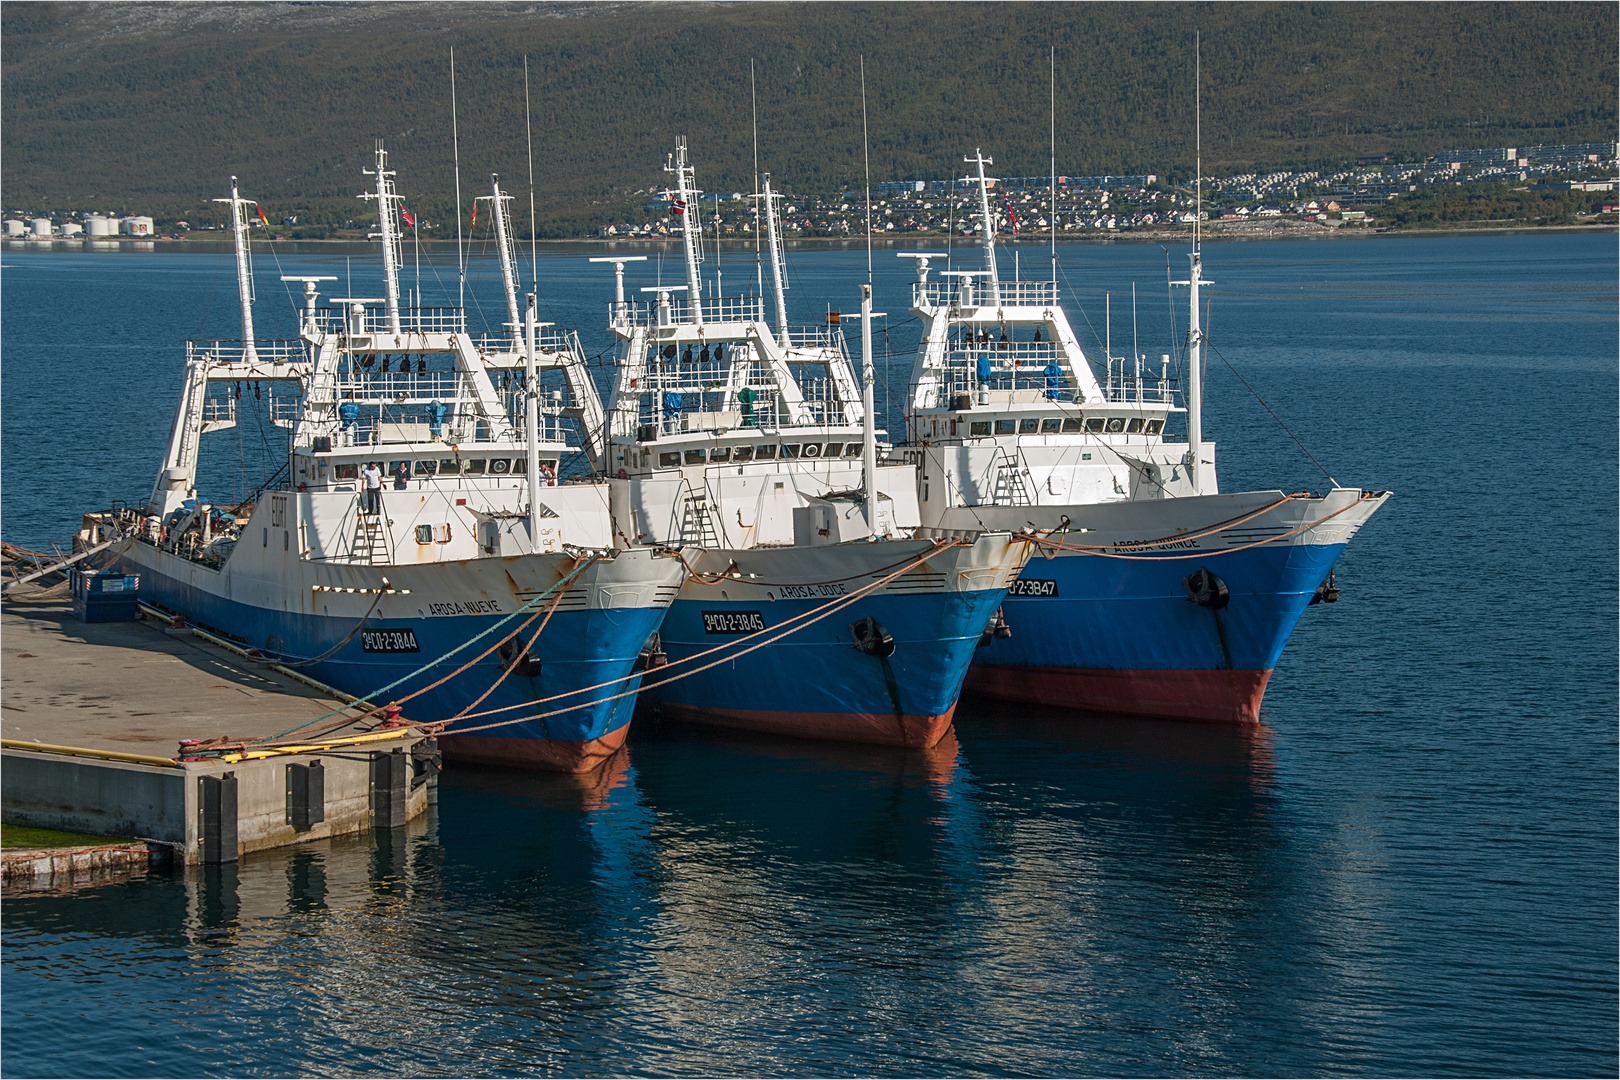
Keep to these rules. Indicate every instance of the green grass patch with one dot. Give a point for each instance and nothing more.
(25, 838)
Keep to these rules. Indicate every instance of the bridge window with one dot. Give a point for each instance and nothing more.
(852, 449)
(834, 449)
(1005, 427)
(744, 453)
(424, 534)
(346, 470)
(979, 427)
(1095, 423)
(1074, 423)
(449, 466)
(1134, 427)
(1155, 426)
(520, 466)
(765, 453)
(1116, 424)
(720, 453)
(426, 468)
(669, 460)
(812, 450)
(695, 457)
(475, 466)
(790, 450)
(1029, 426)
(1050, 425)
(500, 466)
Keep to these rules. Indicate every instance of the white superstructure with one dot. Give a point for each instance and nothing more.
(1005, 408)
(441, 411)
(737, 431)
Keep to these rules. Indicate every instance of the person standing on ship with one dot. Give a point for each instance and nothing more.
(372, 477)
(402, 476)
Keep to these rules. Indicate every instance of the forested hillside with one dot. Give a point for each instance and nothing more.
(151, 106)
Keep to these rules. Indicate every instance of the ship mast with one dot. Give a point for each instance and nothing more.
(989, 225)
(1195, 332)
(531, 414)
(244, 267)
(503, 244)
(868, 421)
(686, 195)
(388, 230)
(778, 278)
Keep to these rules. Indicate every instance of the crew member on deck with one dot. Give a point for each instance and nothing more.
(372, 477)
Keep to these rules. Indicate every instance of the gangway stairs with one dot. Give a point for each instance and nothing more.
(1010, 487)
(371, 540)
(697, 523)
(18, 557)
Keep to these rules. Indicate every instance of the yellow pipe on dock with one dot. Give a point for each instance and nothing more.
(79, 751)
(316, 747)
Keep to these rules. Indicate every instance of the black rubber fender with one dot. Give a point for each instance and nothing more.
(1206, 589)
(871, 638)
(516, 659)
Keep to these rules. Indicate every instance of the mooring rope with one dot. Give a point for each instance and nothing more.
(1107, 554)
(826, 610)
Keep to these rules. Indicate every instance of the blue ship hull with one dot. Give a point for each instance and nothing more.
(1106, 621)
(1122, 636)
(577, 650)
(814, 683)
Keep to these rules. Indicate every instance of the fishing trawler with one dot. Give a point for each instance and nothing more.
(1155, 593)
(472, 589)
(750, 446)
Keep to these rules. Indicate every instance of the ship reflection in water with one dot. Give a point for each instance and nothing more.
(715, 902)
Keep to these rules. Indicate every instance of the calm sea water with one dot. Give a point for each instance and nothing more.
(1408, 868)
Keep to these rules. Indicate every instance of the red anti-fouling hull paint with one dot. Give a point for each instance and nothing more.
(555, 755)
(1231, 697)
(879, 729)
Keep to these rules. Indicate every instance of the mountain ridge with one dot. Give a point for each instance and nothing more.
(150, 106)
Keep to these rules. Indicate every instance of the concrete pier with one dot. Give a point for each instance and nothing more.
(92, 717)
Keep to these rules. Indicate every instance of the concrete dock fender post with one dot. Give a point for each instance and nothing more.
(306, 795)
(425, 766)
(216, 809)
(390, 775)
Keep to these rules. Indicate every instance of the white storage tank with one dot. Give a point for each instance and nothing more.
(71, 228)
(101, 226)
(41, 228)
(13, 227)
(136, 226)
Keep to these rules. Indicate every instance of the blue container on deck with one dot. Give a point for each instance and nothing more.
(105, 596)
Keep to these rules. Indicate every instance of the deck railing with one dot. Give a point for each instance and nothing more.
(977, 292)
(680, 310)
(374, 320)
(272, 351)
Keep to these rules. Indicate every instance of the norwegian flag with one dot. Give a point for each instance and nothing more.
(677, 207)
(406, 214)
